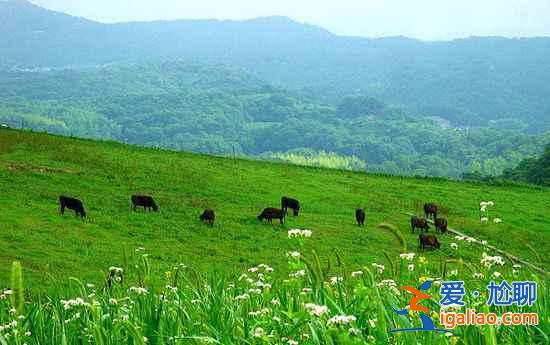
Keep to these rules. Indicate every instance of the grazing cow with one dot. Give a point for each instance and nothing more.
(360, 216)
(427, 240)
(430, 209)
(146, 201)
(419, 223)
(71, 204)
(271, 213)
(293, 204)
(208, 217)
(441, 225)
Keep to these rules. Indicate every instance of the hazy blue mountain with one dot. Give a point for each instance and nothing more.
(468, 82)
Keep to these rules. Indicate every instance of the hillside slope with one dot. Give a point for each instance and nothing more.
(468, 82)
(36, 168)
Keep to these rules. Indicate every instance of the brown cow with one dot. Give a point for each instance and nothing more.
(430, 209)
(71, 204)
(293, 204)
(441, 225)
(419, 223)
(146, 201)
(427, 240)
(271, 213)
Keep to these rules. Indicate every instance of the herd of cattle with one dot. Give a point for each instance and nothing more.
(270, 213)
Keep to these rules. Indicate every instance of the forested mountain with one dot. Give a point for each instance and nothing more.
(221, 110)
(532, 170)
(479, 81)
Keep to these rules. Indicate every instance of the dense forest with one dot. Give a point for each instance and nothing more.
(532, 170)
(224, 110)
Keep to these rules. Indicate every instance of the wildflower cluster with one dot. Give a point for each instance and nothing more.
(299, 233)
(484, 212)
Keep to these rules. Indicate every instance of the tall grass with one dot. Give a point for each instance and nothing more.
(257, 307)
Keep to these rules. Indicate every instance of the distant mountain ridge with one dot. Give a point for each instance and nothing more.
(469, 82)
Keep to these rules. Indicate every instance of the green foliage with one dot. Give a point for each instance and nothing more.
(532, 170)
(319, 159)
(18, 293)
(360, 106)
(222, 110)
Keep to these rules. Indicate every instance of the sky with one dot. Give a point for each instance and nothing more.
(422, 19)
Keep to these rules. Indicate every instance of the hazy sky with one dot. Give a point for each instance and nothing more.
(425, 19)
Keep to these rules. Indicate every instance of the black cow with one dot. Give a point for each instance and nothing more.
(360, 216)
(430, 209)
(71, 204)
(208, 217)
(441, 225)
(271, 213)
(419, 223)
(293, 204)
(146, 201)
(427, 240)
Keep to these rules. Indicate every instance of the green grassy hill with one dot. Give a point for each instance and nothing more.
(36, 168)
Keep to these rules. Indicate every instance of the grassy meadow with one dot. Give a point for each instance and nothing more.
(181, 278)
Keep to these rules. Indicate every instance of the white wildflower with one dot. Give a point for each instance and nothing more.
(275, 302)
(316, 310)
(242, 297)
(336, 280)
(379, 268)
(354, 331)
(356, 274)
(488, 261)
(116, 270)
(138, 290)
(341, 320)
(407, 256)
(68, 304)
(299, 233)
(293, 254)
(297, 274)
(259, 332)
